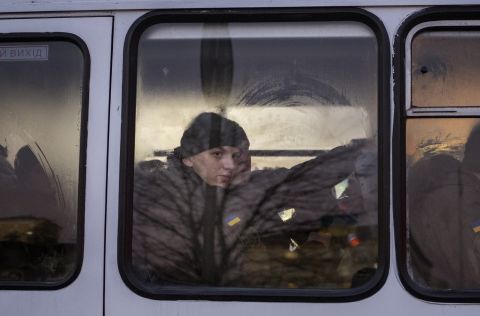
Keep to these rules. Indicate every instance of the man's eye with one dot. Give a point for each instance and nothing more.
(217, 154)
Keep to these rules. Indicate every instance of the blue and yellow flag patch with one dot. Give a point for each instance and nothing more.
(476, 226)
(232, 220)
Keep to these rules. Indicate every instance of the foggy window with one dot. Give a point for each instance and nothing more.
(41, 93)
(442, 160)
(255, 156)
(443, 202)
(446, 69)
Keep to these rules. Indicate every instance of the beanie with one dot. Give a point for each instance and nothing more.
(207, 131)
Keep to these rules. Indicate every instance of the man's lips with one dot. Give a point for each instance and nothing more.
(225, 177)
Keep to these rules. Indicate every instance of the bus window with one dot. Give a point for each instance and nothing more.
(445, 69)
(255, 158)
(439, 215)
(443, 186)
(42, 92)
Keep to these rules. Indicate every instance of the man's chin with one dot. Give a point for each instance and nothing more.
(221, 184)
(230, 182)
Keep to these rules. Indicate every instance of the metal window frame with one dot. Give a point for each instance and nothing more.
(433, 26)
(78, 42)
(436, 18)
(128, 136)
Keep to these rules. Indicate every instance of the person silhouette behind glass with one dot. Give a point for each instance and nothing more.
(444, 218)
(205, 218)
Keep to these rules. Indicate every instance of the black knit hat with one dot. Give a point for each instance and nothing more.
(210, 130)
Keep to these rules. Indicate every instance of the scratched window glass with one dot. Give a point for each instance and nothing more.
(255, 161)
(443, 202)
(446, 69)
(40, 118)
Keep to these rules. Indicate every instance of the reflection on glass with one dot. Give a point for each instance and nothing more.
(443, 202)
(243, 132)
(41, 99)
(446, 69)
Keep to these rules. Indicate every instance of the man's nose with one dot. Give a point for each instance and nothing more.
(228, 162)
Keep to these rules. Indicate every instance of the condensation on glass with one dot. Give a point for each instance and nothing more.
(286, 196)
(443, 161)
(40, 118)
(445, 68)
(443, 202)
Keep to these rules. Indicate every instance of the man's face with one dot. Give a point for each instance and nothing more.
(221, 166)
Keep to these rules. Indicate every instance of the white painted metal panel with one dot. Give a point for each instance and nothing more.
(85, 295)
(89, 5)
(392, 299)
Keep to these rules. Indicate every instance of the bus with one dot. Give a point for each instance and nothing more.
(239, 157)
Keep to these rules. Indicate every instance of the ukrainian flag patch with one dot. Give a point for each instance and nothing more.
(232, 220)
(476, 226)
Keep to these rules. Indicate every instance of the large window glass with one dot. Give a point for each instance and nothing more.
(440, 204)
(443, 202)
(42, 93)
(254, 156)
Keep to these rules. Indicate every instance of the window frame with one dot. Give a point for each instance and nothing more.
(32, 37)
(435, 26)
(438, 18)
(128, 143)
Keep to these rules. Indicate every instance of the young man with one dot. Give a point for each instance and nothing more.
(216, 149)
(206, 218)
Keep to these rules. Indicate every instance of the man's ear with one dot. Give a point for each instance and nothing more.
(187, 162)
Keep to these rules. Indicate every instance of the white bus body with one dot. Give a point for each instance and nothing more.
(99, 288)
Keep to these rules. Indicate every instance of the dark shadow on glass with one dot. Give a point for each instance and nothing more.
(444, 219)
(29, 245)
(204, 218)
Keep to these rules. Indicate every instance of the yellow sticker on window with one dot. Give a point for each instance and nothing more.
(286, 215)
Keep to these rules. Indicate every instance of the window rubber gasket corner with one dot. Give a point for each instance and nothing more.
(128, 137)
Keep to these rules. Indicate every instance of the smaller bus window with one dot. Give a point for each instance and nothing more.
(443, 202)
(446, 69)
(41, 92)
